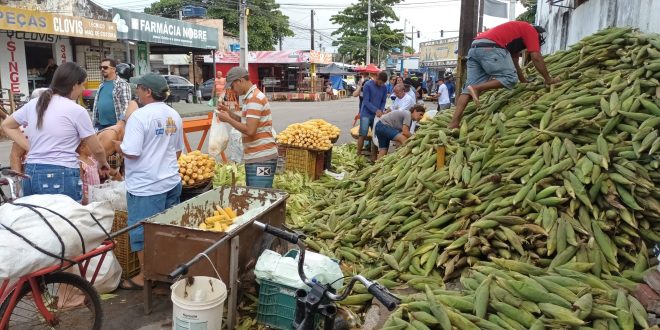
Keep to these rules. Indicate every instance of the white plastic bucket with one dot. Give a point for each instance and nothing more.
(198, 306)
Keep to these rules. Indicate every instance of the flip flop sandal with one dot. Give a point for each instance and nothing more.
(128, 284)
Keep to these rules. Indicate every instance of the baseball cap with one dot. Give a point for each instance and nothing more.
(235, 73)
(155, 82)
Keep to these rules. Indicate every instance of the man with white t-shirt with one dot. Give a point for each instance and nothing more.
(152, 143)
(443, 96)
(403, 100)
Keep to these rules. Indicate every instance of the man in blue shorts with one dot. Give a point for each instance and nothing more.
(492, 61)
(373, 105)
(395, 126)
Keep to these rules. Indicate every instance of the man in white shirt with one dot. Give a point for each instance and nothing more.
(152, 143)
(443, 96)
(403, 101)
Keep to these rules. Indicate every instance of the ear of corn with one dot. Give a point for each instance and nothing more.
(545, 191)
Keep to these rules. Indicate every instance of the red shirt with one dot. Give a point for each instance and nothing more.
(508, 32)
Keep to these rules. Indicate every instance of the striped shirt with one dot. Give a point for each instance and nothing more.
(260, 147)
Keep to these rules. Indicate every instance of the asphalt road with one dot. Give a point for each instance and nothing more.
(337, 112)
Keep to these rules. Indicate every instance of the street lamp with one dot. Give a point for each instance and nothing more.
(380, 43)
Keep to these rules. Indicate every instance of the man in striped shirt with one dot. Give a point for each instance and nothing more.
(256, 124)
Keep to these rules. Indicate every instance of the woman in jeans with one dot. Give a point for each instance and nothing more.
(55, 126)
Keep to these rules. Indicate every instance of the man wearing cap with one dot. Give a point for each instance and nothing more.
(493, 61)
(256, 124)
(152, 143)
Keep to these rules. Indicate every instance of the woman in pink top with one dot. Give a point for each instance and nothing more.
(55, 126)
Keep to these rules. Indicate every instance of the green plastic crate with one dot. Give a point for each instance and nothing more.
(277, 305)
(277, 302)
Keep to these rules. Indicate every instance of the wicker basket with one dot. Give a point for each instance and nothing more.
(197, 185)
(306, 161)
(130, 264)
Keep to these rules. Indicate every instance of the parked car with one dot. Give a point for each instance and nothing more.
(207, 89)
(180, 87)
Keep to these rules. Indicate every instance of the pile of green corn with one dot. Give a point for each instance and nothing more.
(562, 176)
(507, 294)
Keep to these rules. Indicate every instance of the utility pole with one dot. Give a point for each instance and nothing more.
(480, 28)
(467, 31)
(243, 34)
(368, 32)
(403, 46)
(312, 30)
(412, 39)
(512, 10)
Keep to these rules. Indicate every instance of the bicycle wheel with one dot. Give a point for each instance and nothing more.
(71, 299)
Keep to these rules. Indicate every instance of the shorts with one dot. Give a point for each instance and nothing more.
(366, 122)
(143, 207)
(444, 106)
(484, 64)
(53, 179)
(260, 174)
(385, 134)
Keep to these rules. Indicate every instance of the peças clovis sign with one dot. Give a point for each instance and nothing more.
(156, 29)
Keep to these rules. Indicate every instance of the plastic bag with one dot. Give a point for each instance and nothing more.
(374, 138)
(234, 150)
(113, 191)
(219, 136)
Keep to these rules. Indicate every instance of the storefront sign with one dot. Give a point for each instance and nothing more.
(15, 19)
(13, 69)
(143, 59)
(319, 58)
(150, 28)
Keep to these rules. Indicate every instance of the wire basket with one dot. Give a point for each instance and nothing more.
(197, 185)
(130, 264)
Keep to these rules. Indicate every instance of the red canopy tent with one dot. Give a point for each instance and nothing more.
(371, 68)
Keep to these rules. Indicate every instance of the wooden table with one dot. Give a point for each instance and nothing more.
(198, 125)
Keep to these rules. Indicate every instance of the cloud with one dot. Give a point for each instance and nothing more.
(121, 24)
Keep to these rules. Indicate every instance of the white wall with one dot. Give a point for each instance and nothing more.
(567, 26)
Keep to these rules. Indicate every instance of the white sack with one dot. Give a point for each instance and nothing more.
(113, 191)
(109, 276)
(18, 258)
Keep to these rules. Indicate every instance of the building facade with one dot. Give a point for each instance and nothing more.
(438, 56)
(568, 21)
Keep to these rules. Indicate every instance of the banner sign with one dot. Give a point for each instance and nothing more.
(16, 19)
(273, 57)
(143, 59)
(156, 29)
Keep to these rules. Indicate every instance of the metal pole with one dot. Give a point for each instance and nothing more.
(512, 10)
(243, 34)
(369, 32)
(412, 39)
(192, 58)
(480, 27)
(128, 52)
(312, 30)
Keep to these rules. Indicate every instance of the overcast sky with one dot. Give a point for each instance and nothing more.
(427, 16)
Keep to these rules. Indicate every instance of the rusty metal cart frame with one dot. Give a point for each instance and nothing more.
(171, 239)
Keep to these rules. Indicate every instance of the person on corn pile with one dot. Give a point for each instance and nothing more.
(152, 143)
(256, 124)
(395, 126)
(493, 61)
(403, 100)
(373, 105)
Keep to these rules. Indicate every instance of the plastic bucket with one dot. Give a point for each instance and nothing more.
(198, 306)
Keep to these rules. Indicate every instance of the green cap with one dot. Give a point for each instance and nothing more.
(155, 82)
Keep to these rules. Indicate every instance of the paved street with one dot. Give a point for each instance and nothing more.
(337, 112)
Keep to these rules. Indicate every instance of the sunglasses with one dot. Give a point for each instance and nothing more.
(105, 67)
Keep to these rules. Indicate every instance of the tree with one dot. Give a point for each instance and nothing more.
(530, 14)
(266, 23)
(352, 34)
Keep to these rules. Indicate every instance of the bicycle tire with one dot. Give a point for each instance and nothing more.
(68, 318)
